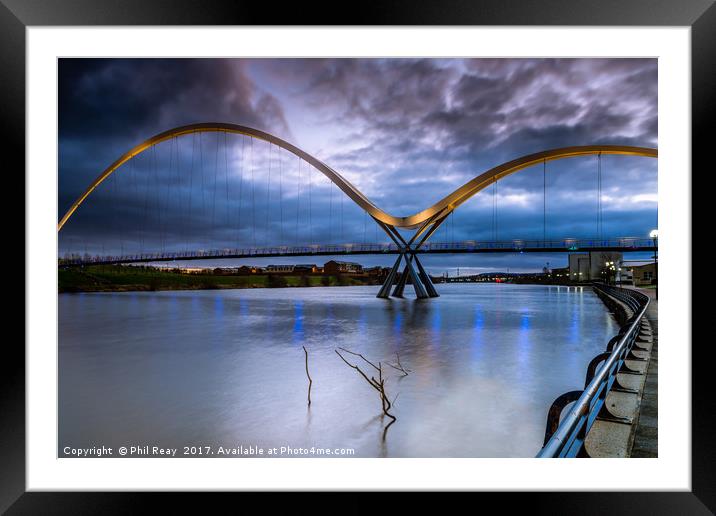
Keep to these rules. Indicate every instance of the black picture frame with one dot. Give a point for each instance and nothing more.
(16, 15)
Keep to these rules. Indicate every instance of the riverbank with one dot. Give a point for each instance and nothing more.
(646, 435)
(636, 435)
(117, 278)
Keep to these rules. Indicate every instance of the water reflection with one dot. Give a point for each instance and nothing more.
(523, 349)
(486, 361)
(397, 323)
(436, 323)
(478, 339)
(298, 321)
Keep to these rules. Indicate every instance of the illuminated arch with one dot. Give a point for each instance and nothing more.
(466, 191)
(422, 219)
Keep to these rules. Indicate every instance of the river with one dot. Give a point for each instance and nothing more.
(226, 368)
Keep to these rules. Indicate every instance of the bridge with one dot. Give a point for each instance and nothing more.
(169, 228)
(626, 244)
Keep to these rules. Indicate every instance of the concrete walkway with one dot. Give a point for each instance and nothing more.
(646, 442)
(637, 402)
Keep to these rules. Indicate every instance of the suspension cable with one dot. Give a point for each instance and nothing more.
(280, 194)
(114, 213)
(239, 220)
(169, 178)
(452, 216)
(494, 211)
(365, 225)
(179, 178)
(298, 199)
(157, 193)
(310, 217)
(213, 203)
(163, 228)
(268, 196)
(133, 182)
(226, 179)
(253, 194)
(201, 167)
(191, 187)
(544, 202)
(146, 216)
(330, 212)
(599, 196)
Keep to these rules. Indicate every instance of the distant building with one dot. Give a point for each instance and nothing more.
(336, 267)
(377, 271)
(591, 266)
(641, 275)
(224, 271)
(562, 272)
(192, 270)
(306, 268)
(280, 268)
(246, 270)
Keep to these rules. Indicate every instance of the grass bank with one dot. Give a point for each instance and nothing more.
(118, 278)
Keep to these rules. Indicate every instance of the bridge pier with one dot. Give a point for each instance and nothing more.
(420, 279)
(427, 282)
(388, 283)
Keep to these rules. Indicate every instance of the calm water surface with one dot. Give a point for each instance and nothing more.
(211, 368)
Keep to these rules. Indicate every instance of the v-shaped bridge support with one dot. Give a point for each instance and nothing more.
(413, 269)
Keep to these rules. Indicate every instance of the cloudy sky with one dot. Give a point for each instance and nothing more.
(406, 132)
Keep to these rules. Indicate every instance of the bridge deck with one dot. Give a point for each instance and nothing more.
(513, 246)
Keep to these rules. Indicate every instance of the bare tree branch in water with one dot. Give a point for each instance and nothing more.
(378, 385)
(398, 366)
(359, 355)
(310, 381)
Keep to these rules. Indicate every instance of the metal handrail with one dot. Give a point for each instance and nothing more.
(567, 244)
(568, 439)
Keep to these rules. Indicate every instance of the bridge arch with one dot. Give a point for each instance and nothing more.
(482, 181)
(334, 176)
(423, 219)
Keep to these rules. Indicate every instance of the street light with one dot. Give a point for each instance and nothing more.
(654, 235)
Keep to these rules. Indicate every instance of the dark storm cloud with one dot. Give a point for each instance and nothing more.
(126, 98)
(405, 131)
(106, 106)
(425, 119)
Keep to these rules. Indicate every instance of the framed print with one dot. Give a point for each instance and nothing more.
(421, 252)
